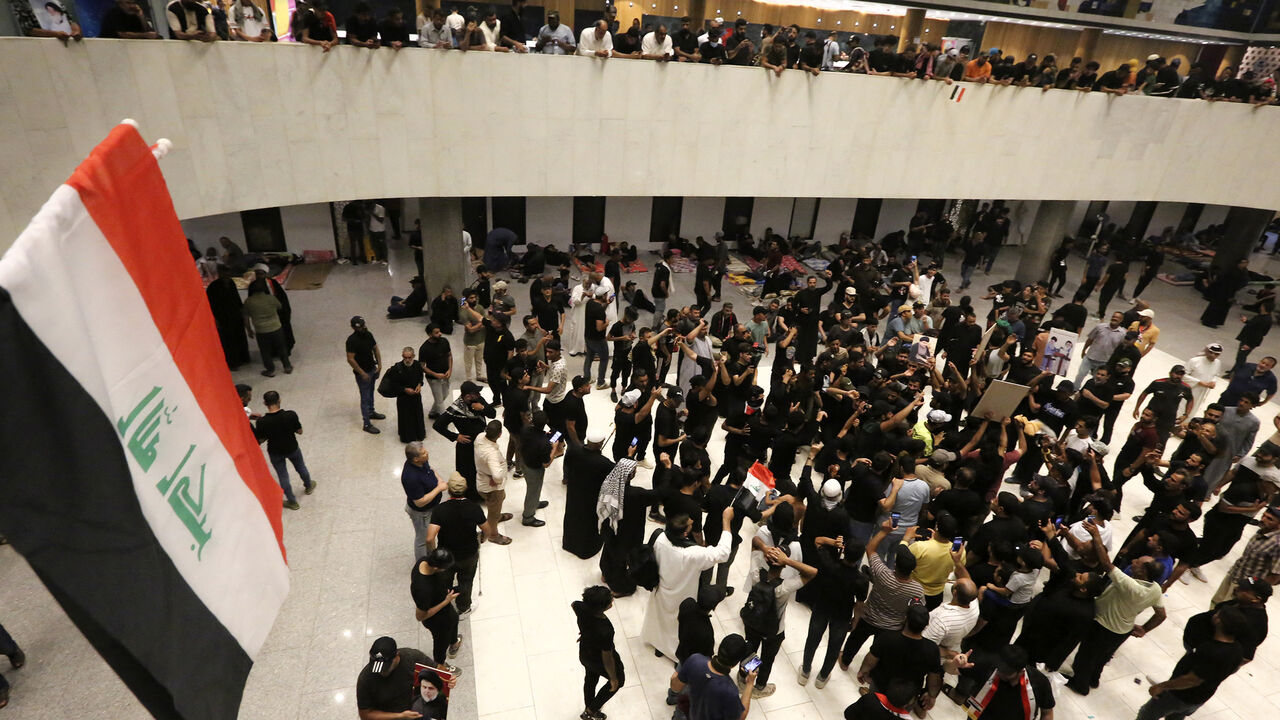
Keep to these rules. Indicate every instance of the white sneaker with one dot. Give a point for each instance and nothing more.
(1195, 573)
(646, 463)
(802, 677)
(821, 682)
(763, 692)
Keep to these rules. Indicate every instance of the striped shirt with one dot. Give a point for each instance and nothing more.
(949, 624)
(1261, 556)
(887, 602)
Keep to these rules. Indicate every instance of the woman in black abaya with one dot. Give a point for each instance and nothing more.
(225, 303)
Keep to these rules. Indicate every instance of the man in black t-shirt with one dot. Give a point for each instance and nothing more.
(280, 429)
(362, 29)
(1198, 673)
(908, 656)
(1167, 395)
(366, 361)
(738, 50)
(455, 526)
(1114, 81)
(594, 330)
(712, 51)
(685, 42)
(499, 348)
(811, 54)
(385, 685)
(1004, 686)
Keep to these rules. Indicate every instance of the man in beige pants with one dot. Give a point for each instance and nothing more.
(491, 479)
(471, 317)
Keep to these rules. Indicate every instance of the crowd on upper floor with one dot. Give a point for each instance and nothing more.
(778, 50)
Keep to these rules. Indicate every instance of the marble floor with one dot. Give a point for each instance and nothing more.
(350, 553)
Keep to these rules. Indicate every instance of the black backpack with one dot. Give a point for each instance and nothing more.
(642, 563)
(760, 613)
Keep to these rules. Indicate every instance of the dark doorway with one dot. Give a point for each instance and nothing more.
(508, 212)
(475, 219)
(588, 219)
(263, 230)
(865, 218)
(932, 209)
(665, 218)
(737, 217)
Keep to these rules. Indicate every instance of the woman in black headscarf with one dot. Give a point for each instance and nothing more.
(225, 303)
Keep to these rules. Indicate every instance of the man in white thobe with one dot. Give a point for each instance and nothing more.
(680, 563)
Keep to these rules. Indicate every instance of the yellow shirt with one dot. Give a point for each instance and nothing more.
(1146, 338)
(933, 564)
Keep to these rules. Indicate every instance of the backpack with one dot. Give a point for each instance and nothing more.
(760, 613)
(642, 563)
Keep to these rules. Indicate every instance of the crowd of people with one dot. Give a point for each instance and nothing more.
(969, 555)
(778, 49)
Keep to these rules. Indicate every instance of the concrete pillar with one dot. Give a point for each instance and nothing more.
(912, 28)
(443, 260)
(1242, 229)
(1047, 231)
(1138, 222)
(1087, 43)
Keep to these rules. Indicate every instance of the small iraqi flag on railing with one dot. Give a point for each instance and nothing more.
(957, 93)
(129, 477)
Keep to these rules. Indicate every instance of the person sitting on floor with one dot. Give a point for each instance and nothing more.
(406, 307)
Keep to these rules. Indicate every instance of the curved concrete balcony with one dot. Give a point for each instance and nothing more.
(281, 124)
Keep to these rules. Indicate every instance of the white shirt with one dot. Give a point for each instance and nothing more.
(1104, 532)
(455, 21)
(650, 45)
(378, 219)
(492, 35)
(1201, 369)
(949, 624)
(248, 24)
(588, 43)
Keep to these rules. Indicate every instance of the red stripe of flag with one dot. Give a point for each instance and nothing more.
(121, 186)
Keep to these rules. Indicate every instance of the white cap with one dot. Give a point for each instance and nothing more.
(602, 292)
(630, 398)
(939, 416)
(850, 291)
(262, 268)
(831, 488)
(597, 435)
(1148, 313)
(1153, 56)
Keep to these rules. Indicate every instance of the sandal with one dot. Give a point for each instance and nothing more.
(500, 540)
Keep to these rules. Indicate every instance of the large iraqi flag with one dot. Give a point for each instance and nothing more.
(129, 477)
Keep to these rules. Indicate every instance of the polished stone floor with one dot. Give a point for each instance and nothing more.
(350, 553)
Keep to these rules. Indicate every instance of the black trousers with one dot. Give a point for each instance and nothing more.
(1097, 648)
(594, 673)
(621, 370)
(1143, 281)
(857, 636)
(836, 628)
(463, 574)
(496, 382)
(1105, 295)
(1221, 532)
(1057, 279)
(444, 632)
(768, 647)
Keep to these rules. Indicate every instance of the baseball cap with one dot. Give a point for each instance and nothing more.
(356, 320)
(939, 416)
(1099, 448)
(1178, 370)
(602, 292)
(1147, 313)
(1153, 56)
(943, 456)
(1257, 586)
(630, 398)
(675, 394)
(831, 488)
(1124, 363)
(382, 655)
(904, 307)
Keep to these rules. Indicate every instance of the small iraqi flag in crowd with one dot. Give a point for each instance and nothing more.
(957, 93)
(129, 478)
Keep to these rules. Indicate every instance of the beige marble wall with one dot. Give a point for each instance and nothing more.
(263, 125)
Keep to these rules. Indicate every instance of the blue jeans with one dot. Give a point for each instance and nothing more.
(282, 472)
(596, 349)
(366, 395)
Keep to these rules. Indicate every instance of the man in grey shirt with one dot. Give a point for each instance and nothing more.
(555, 38)
(906, 496)
(1102, 340)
